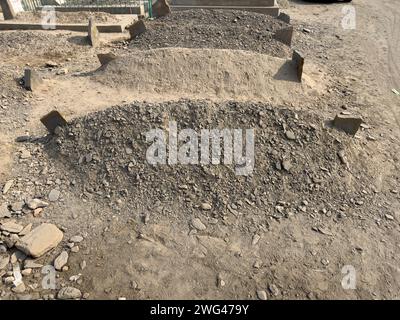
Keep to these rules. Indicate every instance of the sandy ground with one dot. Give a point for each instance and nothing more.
(296, 261)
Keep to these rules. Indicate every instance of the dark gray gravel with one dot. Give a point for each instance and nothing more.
(93, 152)
(216, 29)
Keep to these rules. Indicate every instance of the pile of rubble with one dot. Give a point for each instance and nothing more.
(298, 162)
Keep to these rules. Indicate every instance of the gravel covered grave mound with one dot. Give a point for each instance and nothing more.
(37, 43)
(216, 29)
(102, 157)
(69, 17)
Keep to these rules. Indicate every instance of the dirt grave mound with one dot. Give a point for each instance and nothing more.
(216, 29)
(208, 73)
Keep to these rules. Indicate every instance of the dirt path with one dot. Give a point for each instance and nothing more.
(373, 46)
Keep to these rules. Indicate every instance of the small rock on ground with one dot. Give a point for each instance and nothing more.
(61, 260)
(197, 224)
(262, 295)
(11, 227)
(54, 195)
(69, 293)
(76, 239)
(40, 240)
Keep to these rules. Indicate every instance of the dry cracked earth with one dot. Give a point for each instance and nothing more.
(319, 206)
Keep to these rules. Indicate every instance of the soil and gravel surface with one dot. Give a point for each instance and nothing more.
(318, 199)
(304, 171)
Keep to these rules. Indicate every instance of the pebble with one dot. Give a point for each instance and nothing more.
(342, 156)
(9, 242)
(54, 195)
(76, 239)
(262, 295)
(30, 264)
(26, 230)
(33, 204)
(4, 260)
(255, 240)
(220, 281)
(17, 206)
(9, 280)
(69, 293)
(389, 217)
(324, 231)
(7, 186)
(257, 264)
(63, 71)
(287, 165)
(197, 224)
(75, 249)
(273, 289)
(75, 278)
(19, 289)
(61, 260)
(37, 212)
(134, 284)
(11, 227)
(4, 212)
(83, 265)
(290, 135)
(48, 296)
(26, 272)
(324, 261)
(17, 256)
(25, 154)
(206, 206)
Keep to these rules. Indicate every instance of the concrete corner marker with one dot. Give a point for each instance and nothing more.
(106, 58)
(137, 28)
(32, 80)
(346, 123)
(11, 8)
(160, 8)
(284, 35)
(93, 33)
(53, 120)
(284, 17)
(298, 60)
